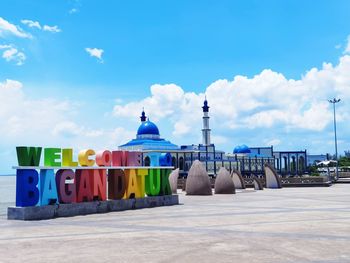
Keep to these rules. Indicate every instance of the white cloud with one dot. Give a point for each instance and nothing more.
(8, 28)
(95, 52)
(67, 128)
(31, 23)
(5, 46)
(11, 53)
(181, 128)
(266, 101)
(218, 139)
(273, 142)
(26, 118)
(73, 11)
(347, 48)
(48, 122)
(53, 29)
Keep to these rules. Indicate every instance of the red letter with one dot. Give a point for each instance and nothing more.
(120, 158)
(116, 184)
(66, 191)
(83, 186)
(98, 181)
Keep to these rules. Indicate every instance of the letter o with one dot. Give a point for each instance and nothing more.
(104, 158)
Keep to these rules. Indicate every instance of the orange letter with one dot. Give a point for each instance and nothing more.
(104, 158)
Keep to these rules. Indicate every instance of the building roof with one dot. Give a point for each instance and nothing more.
(147, 127)
(148, 138)
(150, 144)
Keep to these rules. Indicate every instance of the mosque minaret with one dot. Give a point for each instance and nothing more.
(206, 129)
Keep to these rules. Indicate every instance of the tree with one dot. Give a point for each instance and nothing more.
(344, 161)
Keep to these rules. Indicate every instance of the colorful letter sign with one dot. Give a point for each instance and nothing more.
(121, 169)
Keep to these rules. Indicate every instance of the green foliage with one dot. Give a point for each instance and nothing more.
(315, 174)
(344, 161)
(313, 171)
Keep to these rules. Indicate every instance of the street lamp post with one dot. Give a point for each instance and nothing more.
(334, 101)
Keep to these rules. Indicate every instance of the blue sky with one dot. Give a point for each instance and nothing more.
(182, 49)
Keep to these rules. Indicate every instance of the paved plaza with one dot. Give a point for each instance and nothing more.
(284, 225)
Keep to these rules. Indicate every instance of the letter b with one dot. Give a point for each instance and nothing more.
(27, 192)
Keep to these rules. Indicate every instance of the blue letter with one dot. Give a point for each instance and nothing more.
(27, 192)
(48, 189)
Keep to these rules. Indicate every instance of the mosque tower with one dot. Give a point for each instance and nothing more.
(205, 130)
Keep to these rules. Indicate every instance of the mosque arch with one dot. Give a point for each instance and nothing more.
(285, 164)
(181, 163)
(147, 161)
(293, 165)
(301, 164)
(277, 163)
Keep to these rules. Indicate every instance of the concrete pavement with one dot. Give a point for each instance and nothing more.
(276, 225)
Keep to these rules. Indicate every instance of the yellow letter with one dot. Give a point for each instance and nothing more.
(141, 174)
(132, 189)
(83, 157)
(67, 158)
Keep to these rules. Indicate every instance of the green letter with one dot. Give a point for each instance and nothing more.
(51, 155)
(153, 182)
(28, 156)
(165, 186)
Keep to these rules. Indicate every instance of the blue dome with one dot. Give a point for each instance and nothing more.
(241, 149)
(148, 127)
(237, 149)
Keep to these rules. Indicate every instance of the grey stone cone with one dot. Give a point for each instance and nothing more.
(173, 180)
(224, 183)
(272, 179)
(198, 182)
(237, 179)
(257, 183)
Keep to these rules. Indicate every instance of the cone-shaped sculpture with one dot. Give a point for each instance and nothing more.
(238, 179)
(257, 183)
(173, 180)
(271, 176)
(224, 183)
(198, 182)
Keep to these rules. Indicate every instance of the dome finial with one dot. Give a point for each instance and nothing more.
(143, 115)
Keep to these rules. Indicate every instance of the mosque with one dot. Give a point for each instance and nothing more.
(249, 161)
